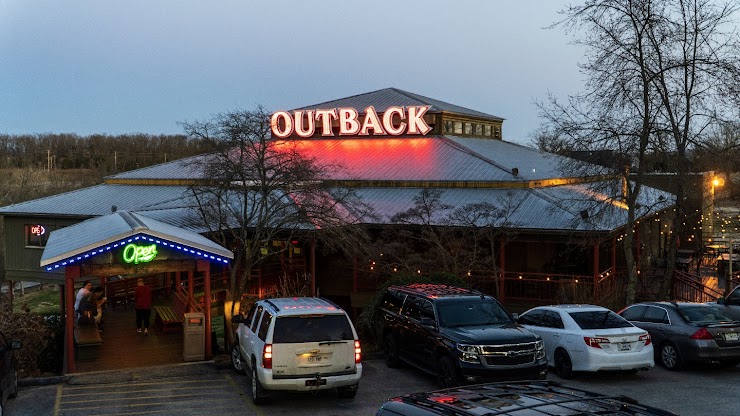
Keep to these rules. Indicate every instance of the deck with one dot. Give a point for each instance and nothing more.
(124, 348)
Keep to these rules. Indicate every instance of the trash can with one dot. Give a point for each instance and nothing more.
(194, 336)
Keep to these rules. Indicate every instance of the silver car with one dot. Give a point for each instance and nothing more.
(685, 332)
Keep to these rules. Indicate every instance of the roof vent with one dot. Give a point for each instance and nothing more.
(515, 171)
(584, 214)
(113, 208)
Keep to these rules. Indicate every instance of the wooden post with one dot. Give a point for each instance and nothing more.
(354, 275)
(596, 271)
(502, 266)
(313, 267)
(191, 283)
(70, 274)
(205, 267)
(11, 286)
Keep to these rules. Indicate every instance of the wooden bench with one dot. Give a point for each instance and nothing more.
(87, 335)
(170, 318)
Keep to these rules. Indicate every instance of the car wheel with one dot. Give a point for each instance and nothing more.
(447, 374)
(670, 357)
(259, 396)
(390, 350)
(347, 392)
(563, 365)
(236, 360)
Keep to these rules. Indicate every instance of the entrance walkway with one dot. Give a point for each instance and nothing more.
(124, 348)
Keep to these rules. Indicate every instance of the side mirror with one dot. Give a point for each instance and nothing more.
(238, 319)
(515, 316)
(721, 301)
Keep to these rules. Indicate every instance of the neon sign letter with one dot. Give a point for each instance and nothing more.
(395, 121)
(38, 230)
(139, 254)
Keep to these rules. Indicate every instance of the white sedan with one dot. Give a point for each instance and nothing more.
(589, 338)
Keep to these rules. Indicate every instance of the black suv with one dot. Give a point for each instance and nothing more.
(458, 334)
(515, 398)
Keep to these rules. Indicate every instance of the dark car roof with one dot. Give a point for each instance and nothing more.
(438, 290)
(517, 398)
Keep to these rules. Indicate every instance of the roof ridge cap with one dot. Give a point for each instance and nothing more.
(132, 220)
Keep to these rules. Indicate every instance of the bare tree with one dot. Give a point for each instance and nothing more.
(655, 69)
(262, 189)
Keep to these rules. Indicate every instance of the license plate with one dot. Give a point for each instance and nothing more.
(314, 382)
(732, 336)
(624, 347)
(314, 359)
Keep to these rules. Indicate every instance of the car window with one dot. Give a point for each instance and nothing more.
(412, 307)
(704, 314)
(473, 312)
(552, 319)
(250, 315)
(599, 320)
(312, 328)
(734, 297)
(656, 315)
(532, 317)
(256, 321)
(392, 300)
(426, 309)
(264, 325)
(634, 313)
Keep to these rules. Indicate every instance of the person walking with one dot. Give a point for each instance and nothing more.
(143, 305)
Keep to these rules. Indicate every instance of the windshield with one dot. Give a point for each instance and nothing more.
(704, 314)
(599, 320)
(312, 328)
(474, 312)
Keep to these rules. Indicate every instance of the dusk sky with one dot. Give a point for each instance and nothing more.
(133, 66)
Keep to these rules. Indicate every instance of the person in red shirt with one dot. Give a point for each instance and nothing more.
(143, 305)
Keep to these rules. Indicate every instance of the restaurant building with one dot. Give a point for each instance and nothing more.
(393, 146)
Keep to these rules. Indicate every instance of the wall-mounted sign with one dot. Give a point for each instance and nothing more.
(38, 229)
(394, 121)
(136, 254)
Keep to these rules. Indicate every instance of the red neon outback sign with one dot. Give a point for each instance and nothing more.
(394, 121)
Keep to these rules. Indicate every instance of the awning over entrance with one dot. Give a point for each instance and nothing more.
(79, 242)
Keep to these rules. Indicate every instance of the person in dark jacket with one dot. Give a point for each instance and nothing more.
(143, 305)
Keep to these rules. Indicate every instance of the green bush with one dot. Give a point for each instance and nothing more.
(367, 318)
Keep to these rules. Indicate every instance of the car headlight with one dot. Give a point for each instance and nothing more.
(539, 349)
(469, 353)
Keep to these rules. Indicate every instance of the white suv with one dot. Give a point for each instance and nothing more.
(297, 344)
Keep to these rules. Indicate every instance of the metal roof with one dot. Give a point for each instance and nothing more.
(100, 200)
(387, 97)
(100, 235)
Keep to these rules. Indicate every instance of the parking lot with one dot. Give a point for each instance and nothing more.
(205, 389)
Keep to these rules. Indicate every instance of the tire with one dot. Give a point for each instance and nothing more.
(670, 358)
(563, 364)
(259, 395)
(347, 392)
(447, 373)
(236, 360)
(390, 351)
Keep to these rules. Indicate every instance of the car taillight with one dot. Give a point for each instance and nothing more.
(701, 334)
(595, 342)
(267, 356)
(646, 338)
(358, 352)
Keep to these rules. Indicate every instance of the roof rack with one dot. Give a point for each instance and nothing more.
(437, 289)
